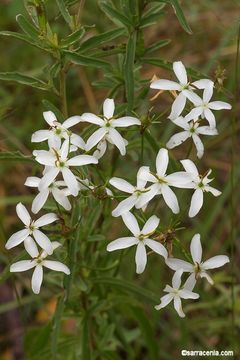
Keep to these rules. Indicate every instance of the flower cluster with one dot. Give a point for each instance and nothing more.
(62, 177)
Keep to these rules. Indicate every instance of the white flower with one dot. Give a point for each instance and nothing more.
(138, 193)
(183, 87)
(60, 195)
(57, 161)
(59, 131)
(141, 238)
(193, 130)
(107, 127)
(176, 293)
(32, 229)
(200, 184)
(162, 182)
(38, 261)
(203, 106)
(198, 268)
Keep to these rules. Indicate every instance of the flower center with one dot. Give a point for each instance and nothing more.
(58, 131)
(141, 237)
(60, 163)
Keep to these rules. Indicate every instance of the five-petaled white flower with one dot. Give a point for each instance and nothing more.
(57, 161)
(138, 193)
(183, 87)
(162, 182)
(38, 262)
(198, 268)
(108, 125)
(193, 130)
(58, 131)
(200, 184)
(203, 106)
(141, 238)
(32, 229)
(57, 188)
(176, 293)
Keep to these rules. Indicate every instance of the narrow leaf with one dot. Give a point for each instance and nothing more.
(114, 14)
(180, 15)
(49, 106)
(24, 38)
(101, 39)
(73, 38)
(15, 156)
(129, 70)
(157, 46)
(65, 13)
(24, 79)
(27, 27)
(86, 60)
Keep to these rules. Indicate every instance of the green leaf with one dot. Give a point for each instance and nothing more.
(147, 332)
(86, 60)
(180, 15)
(56, 326)
(86, 353)
(24, 79)
(15, 156)
(151, 16)
(24, 38)
(129, 70)
(65, 13)
(114, 14)
(157, 46)
(129, 287)
(73, 38)
(101, 39)
(27, 27)
(50, 106)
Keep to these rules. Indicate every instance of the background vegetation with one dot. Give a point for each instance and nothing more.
(109, 317)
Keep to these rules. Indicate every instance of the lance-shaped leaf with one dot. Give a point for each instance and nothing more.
(25, 38)
(157, 46)
(27, 27)
(15, 156)
(180, 15)
(25, 80)
(114, 15)
(86, 60)
(65, 13)
(73, 38)
(129, 69)
(100, 39)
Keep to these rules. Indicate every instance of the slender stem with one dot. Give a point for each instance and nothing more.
(63, 94)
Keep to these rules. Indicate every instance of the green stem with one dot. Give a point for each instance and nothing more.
(62, 91)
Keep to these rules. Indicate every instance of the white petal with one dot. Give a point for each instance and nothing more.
(210, 118)
(122, 185)
(170, 199)
(219, 105)
(117, 140)
(17, 238)
(49, 117)
(199, 145)
(40, 200)
(108, 108)
(77, 141)
(178, 306)
(177, 264)
(23, 214)
(215, 262)
(32, 181)
(40, 135)
(204, 274)
(196, 203)
(37, 279)
(207, 93)
(212, 190)
(61, 199)
(190, 282)
(194, 98)
(140, 258)
(124, 206)
(46, 219)
(165, 300)
(180, 179)
(81, 160)
(177, 106)
(203, 83)
(145, 197)
(122, 243)
(156, 247)
(182, 122)
(180, 72)
(151, 225)
(93, 119)
(196, 248)
(145, 175)
(54, 141)
(131, 222)
(176, 280)
(162, 162)
(141, 182)
(190, 167)
(206, 130)
(125, 121)
(70, 181)
(55, 245)
(48, 178)
(165, 85)
(56, 266)
(31, 247)
(43, 241)
(177, 139)
(44, 157)
(73, 120)
(186, 294)
(101, 149)
(95, 138)
(22, 265)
